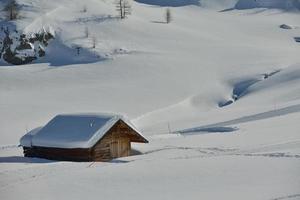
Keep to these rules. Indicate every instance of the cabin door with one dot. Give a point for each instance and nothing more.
(114, 149)
(124, 147)
(120, 147)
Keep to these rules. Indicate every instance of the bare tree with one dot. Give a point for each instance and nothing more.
(86, 32)
(94, 41)
(126, 8)
(12, 10)
(123, 7)
(168, 16)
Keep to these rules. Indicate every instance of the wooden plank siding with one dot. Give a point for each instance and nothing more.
(61, 154)
(114, 144)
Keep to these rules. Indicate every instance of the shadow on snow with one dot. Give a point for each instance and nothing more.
(250, 118)
(170, 3)
(21, 159)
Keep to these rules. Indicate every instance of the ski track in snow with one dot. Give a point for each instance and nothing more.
(32, 172)
(215, 151)
(12, 146)
(291, 196)
(95, 19)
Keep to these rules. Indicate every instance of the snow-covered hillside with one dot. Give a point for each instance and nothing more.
(217, 94)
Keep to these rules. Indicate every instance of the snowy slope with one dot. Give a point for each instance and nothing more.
(216, 93)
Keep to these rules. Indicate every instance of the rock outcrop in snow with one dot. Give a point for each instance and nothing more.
(17, 48)
(285, 26)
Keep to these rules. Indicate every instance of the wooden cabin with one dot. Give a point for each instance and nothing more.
(82, 137)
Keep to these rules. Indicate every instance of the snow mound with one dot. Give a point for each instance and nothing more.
(240, 87)
(280, 82)
(27, 139)
(59, 54)
(280, 4)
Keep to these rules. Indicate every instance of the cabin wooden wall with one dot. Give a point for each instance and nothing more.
(77, 154)
(115, 144)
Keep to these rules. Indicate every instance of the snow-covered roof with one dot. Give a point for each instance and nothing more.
(72, 131)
